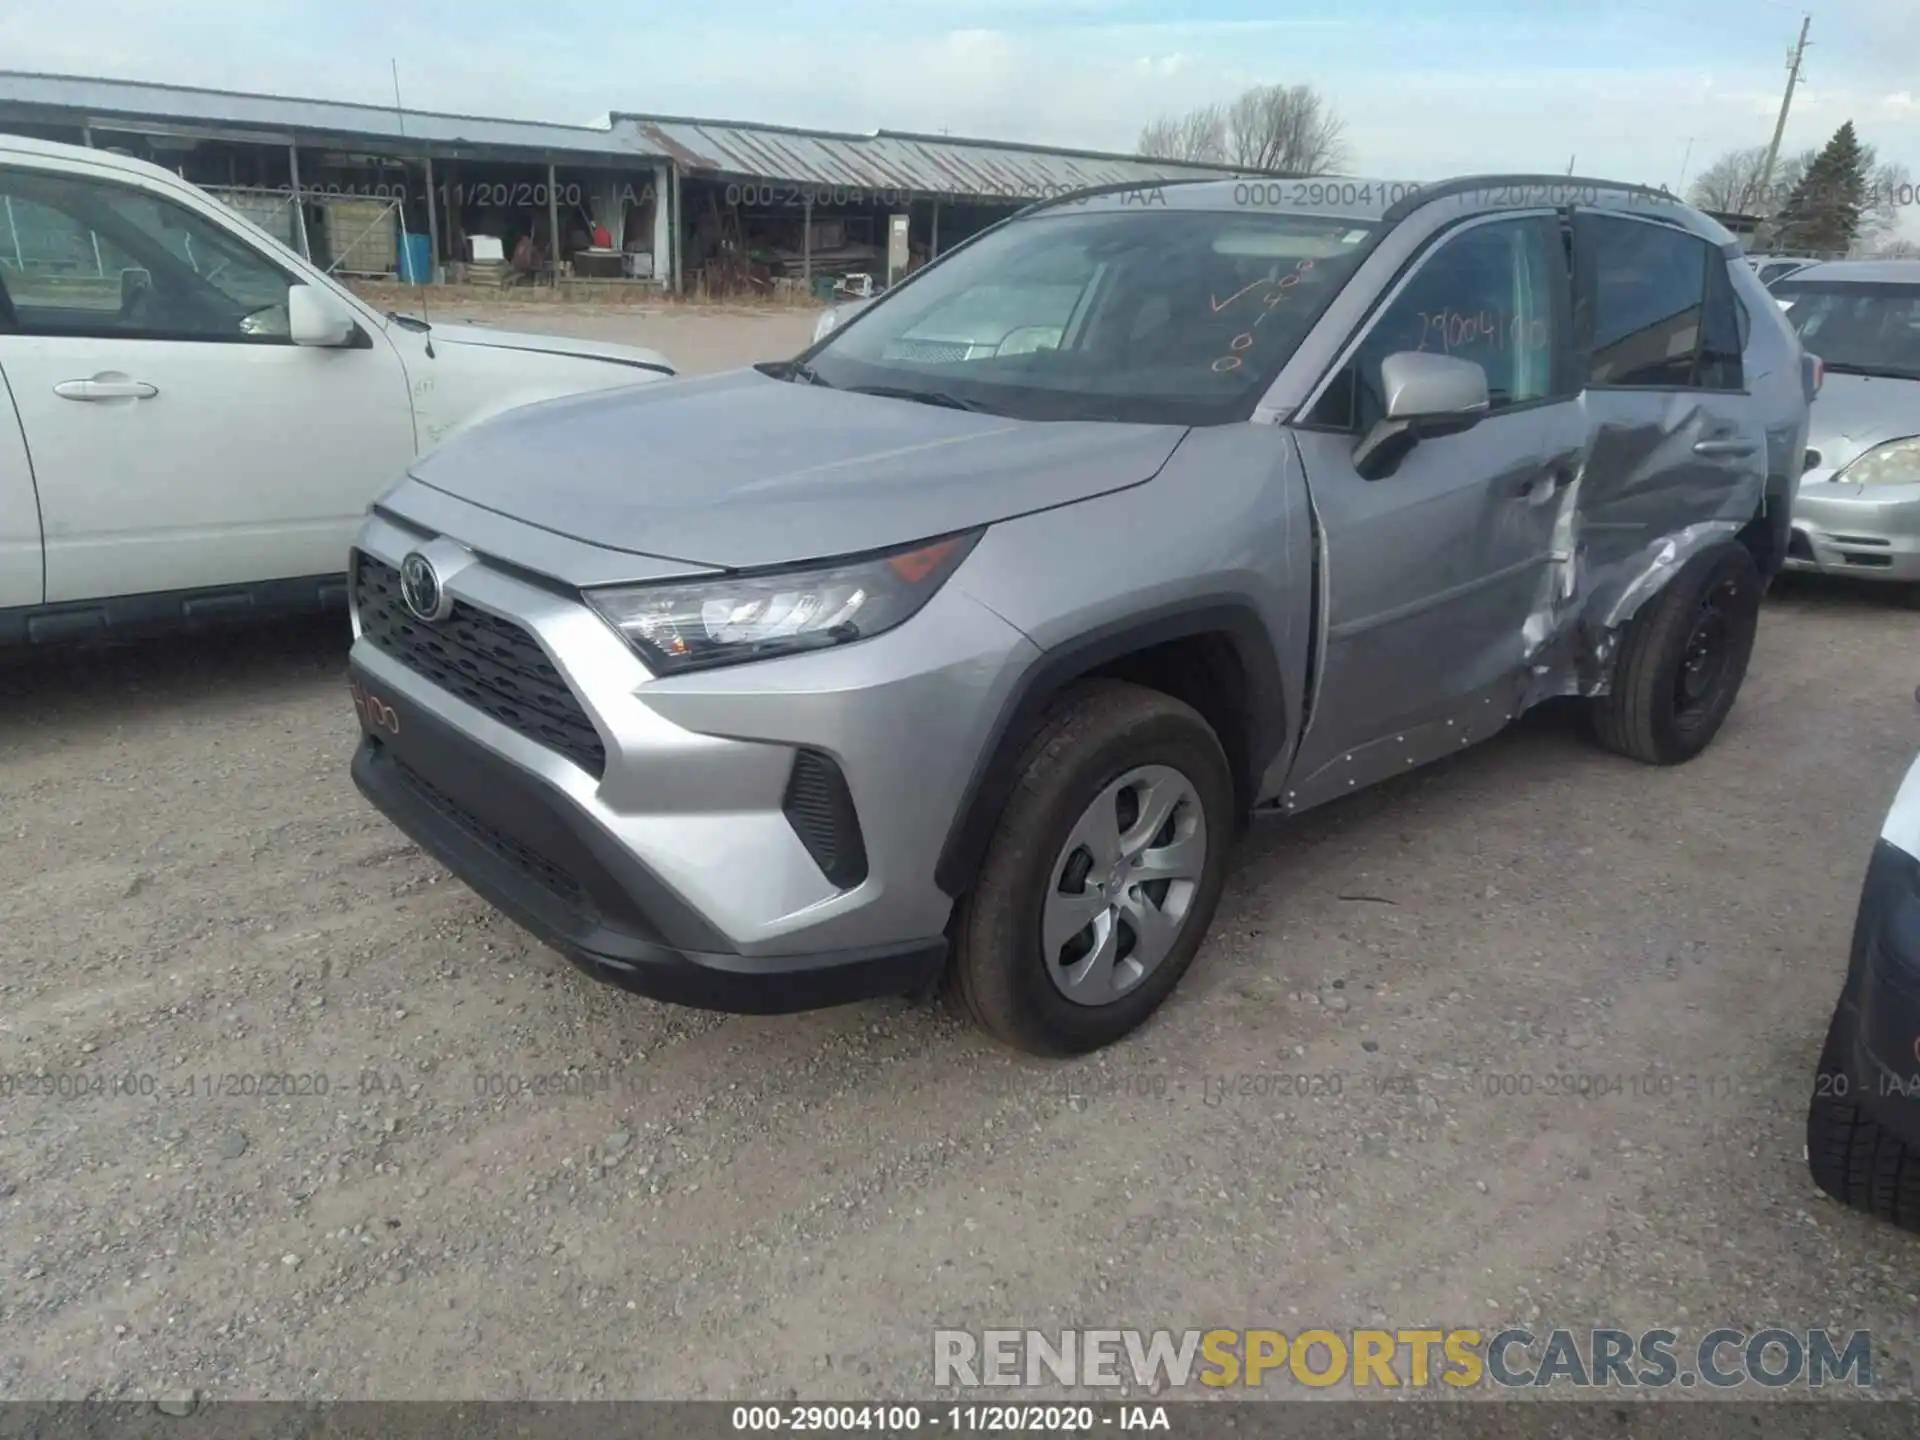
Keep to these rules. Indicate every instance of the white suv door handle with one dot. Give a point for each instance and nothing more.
(105, 390)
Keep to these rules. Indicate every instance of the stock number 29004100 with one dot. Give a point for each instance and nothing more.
(826, 1417)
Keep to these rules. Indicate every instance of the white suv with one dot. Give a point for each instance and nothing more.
(198, 418)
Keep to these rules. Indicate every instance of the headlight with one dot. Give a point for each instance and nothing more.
(727, 619)
(1895, 463)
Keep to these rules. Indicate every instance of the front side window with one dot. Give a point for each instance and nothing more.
(1487, 295)
(1857, 329)
(1643, 299)
(1160, 315)
(86, 257)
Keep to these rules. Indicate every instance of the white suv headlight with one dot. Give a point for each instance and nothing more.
(727, 619)
(1897, 462)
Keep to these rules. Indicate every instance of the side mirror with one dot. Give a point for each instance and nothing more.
(1426, 396)
(134, 284)
(1030, 339)
(316, 318)
(837, 317)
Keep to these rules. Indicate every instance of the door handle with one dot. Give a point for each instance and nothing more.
(105, 390)
(1716, 448)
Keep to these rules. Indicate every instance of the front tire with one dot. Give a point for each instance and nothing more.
(1103, 875)
(1682, 661)
(1851, 1157)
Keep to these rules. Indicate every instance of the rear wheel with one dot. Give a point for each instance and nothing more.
(1682, 661)
(1103, 876)
(1851, 1157)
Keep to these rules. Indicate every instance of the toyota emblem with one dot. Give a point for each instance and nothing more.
(420, 588)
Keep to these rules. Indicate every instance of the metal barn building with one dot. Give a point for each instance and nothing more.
(642, 199)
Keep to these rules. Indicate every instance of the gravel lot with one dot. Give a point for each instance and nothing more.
(764, 1207)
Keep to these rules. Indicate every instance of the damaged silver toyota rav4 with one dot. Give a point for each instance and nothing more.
(959, 647)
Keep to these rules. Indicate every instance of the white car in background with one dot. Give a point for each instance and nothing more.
(193, 419)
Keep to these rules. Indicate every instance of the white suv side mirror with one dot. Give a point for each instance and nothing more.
(316, 318)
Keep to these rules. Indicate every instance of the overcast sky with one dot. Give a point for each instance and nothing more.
(1427, 87)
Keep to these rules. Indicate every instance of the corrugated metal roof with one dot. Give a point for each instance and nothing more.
(892, 160)
(928, 165)
(82, 97)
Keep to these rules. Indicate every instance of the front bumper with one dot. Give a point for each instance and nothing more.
(1880, 1008)
(526, 850)
(1869, 531)
(653, 830)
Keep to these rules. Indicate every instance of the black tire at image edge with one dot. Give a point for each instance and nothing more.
(1851, 1157)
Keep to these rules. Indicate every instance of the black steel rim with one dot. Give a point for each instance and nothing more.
(1708, 654)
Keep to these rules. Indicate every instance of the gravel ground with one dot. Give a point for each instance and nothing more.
(196, 896)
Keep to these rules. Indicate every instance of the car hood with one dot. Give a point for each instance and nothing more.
(740, 470)
(486, 337)
(1854, 413)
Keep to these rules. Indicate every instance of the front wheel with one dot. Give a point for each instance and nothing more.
(1682, 660)
(1103, 875)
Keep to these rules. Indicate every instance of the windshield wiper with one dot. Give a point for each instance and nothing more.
(408, 322)
(793, 371)
(923, 397)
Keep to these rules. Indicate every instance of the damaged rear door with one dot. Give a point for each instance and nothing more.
(1679, 447)
(1438, 575)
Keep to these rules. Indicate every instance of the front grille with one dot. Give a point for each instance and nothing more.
(820, 808)
(490, 663)
(534, 866)
(930, 352)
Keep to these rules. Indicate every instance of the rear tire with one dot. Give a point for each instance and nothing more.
(1074, 842)
(1852, 1158)
(1682, 660)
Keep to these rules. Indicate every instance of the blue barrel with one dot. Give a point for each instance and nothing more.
(416, 259)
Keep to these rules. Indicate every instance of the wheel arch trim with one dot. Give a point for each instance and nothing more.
(1266, 720)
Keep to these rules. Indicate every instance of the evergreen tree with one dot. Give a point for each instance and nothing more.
(1824, 212)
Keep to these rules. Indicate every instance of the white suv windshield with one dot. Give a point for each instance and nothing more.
(1863, 329)
(1180, 316)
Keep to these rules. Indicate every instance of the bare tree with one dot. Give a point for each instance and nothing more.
(1732, 182)
(1199, 136)
(1890, 185)
(1895, 250)
(1285, 127)
(1289, 128)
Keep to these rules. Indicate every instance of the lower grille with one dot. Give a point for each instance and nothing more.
(930, 352)
(489, 662)
(1799, 547)
(820, 808)
(534, 866)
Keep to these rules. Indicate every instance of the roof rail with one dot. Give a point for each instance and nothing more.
(1462, 184)
(1119, 187)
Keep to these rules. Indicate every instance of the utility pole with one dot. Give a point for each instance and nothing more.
(1786, 103)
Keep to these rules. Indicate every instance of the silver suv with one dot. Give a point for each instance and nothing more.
(960, 646)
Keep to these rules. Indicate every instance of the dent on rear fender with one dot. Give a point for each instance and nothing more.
(1640, 507)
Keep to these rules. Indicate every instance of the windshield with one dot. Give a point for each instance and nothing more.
(1171, 316)
(1855, 328)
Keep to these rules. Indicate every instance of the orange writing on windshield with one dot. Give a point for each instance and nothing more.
(1276, 292)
